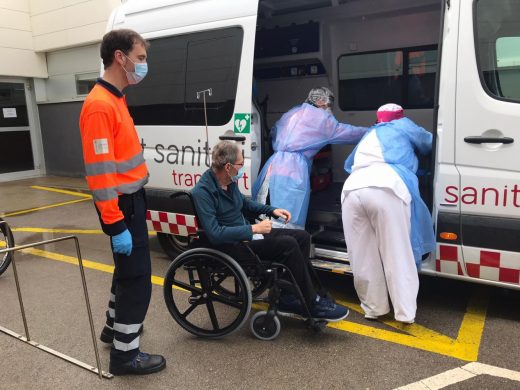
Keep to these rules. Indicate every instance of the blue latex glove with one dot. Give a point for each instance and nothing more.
(122, 243)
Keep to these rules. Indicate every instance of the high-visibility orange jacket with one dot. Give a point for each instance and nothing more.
(112, 153)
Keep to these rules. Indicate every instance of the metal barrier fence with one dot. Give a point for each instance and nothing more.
(27, 338)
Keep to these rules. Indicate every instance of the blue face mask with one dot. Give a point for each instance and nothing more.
(239, 175)
(139, 73)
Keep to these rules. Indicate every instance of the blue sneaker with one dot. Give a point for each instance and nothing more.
(290, 304)
(328, 310)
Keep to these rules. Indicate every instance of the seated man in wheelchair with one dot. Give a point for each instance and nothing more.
(220, 206)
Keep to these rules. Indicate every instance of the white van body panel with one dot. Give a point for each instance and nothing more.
(178, 168)
(156, 15)
(470, 180)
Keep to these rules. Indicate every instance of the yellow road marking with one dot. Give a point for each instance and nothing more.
(83, 197)
(86, 263)
(44, 207)
(65, 231)
(412, 329)
(465, 346)
(74, 193)
(472, 327)
(70, 259)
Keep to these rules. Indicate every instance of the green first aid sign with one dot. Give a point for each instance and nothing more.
(242, 123)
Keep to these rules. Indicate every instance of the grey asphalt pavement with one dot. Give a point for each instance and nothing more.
(360, 355)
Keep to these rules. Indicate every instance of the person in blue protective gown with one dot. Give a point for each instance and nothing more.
(388, 227)
(297, 137)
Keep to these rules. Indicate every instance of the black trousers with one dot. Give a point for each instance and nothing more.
(131, 283)
(290, 247)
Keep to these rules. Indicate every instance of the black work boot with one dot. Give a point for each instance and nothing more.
(107, 334)
(142, 364)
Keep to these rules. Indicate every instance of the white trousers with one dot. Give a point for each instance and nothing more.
(377, 232)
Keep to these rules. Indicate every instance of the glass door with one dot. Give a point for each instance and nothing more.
(17, 146)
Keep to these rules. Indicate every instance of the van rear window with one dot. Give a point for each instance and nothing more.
(178, 67)
(498, 45)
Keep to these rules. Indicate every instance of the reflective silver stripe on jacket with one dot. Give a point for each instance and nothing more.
(112, 192)
(100, 168)
(126, 328)
(134, 162)
(104, 194)
(134, 344)
(105, 167)
(130, 188)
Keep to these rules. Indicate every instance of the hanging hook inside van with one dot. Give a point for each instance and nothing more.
(209, 91)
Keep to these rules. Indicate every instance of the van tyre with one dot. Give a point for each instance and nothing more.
(173, 245)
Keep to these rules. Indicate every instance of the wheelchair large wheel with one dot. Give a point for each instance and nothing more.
(258, 284)
(6, 241)
(191, 292)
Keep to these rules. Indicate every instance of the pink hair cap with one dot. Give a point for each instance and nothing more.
(389, 112)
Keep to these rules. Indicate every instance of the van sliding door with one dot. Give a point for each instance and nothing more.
(488, 138)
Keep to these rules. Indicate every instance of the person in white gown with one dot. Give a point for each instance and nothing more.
(388, 227)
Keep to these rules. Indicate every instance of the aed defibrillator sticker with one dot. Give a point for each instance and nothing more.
(242, 123)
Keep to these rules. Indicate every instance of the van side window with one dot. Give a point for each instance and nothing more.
(178, 67)
(498, 47)
(404, 76)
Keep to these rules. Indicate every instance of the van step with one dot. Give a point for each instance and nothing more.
(332, 254)
(331, 266)
(329, 237)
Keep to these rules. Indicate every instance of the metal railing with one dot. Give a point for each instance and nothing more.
(27, 338)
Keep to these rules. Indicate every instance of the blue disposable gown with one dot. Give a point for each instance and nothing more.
(297, 137)
(399, 140)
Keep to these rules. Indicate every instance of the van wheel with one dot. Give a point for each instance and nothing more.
(173, 245)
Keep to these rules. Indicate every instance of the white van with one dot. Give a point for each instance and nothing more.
(454, 65)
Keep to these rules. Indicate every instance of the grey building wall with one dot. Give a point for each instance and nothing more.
(61, 138)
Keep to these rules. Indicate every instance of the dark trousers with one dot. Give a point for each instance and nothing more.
(131, 284)
(290, 247)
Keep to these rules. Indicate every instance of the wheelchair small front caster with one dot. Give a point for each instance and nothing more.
(319, 325)
(265, 328)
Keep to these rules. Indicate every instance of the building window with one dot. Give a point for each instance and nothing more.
(85, 82)
(402, 76)
(179, 66)
(498, 42)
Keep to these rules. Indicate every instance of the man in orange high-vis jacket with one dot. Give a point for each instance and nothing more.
(116, 173)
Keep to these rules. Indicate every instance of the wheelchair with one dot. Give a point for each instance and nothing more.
(210, 294)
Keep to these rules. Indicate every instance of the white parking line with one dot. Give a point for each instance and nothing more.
(460, 374)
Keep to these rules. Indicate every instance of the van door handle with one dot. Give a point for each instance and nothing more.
(475, 139)
(238, 138)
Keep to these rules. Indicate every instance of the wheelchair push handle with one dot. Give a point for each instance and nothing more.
(178, 194)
